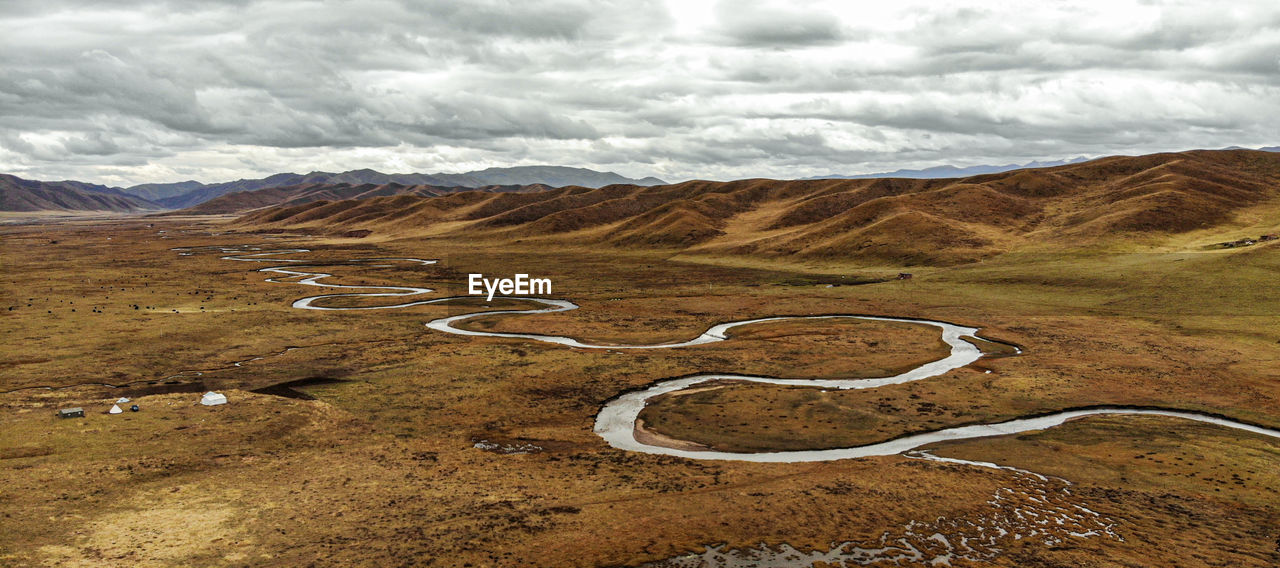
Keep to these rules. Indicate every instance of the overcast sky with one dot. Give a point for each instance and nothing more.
(124, 92)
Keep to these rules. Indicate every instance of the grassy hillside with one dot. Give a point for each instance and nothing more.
(17, 194)
(1123, 202)
(293, 195)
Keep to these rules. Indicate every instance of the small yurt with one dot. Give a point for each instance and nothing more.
(213, 398)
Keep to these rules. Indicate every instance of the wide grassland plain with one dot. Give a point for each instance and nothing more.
(379, 465)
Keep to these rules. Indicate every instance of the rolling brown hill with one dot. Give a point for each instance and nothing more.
(17, 194)
(1123, 199)
(294, 195)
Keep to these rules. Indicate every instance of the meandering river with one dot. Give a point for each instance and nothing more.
(616, 421)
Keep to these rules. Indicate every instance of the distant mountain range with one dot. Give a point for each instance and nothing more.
(294, 195)
(18, 194)
(155, 191)
(188, 193)
(948, 171)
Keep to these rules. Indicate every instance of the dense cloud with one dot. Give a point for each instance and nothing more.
(127, 92)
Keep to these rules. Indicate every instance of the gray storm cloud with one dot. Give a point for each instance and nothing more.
(130, 92)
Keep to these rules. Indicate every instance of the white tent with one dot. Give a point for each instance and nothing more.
(122, 400)
(115, 409)
(213, 398)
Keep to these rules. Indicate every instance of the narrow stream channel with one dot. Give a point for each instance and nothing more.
(616, 422)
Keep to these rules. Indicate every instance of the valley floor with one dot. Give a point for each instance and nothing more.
(406, 446)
